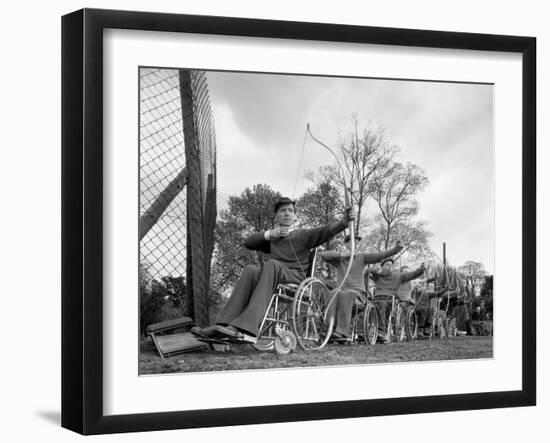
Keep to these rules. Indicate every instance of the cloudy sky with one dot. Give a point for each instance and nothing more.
(445, 128)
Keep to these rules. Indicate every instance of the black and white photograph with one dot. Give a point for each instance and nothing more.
(293, 221)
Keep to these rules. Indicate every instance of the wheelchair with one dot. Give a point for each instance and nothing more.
(364, 318)
(443, 323)
(402, 321)
(297, 315)
(364, 322)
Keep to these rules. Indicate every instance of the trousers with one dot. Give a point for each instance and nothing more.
(252, 294)
(424, 314)
(383, 308)
(343, 306)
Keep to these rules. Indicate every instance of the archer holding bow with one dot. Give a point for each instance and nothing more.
(353, 288)
(288, 249)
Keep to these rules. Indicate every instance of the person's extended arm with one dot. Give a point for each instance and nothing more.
(438, 293)
(332, 257)
(375, 257)
(317, 236)
(408, 276)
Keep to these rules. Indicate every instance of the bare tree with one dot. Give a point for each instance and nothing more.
(475, 274)
(395, 194)
(412, 233)
(367, 157)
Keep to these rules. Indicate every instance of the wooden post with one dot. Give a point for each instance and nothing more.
(151, 216)
(195, 215)
(445, 276)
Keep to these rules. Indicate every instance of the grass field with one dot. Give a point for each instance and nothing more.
(245, 357)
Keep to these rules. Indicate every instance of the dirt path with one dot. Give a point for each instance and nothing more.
(245, 357)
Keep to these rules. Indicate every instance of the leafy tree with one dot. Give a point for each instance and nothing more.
(487, 286)
(474, 274)
(319, 205)
(249, 212)
(160, 300)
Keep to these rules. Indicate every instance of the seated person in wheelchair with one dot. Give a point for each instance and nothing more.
(477, 321)
(387, 283)
(288, 249)
(404, 293)
(354, 287)
(423, 308)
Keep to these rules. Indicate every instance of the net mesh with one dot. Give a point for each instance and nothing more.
(177, 179)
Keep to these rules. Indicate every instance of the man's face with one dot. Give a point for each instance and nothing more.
(285, 215)
(387, 266)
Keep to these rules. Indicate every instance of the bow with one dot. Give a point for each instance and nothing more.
(347, 203)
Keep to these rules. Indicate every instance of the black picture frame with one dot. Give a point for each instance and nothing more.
(82, 219)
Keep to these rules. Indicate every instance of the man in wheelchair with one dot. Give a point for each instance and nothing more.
(387, 283)
(288, 249)
(353, 288)
(423, 297)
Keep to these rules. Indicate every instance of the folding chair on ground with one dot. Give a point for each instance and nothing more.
(169, 344)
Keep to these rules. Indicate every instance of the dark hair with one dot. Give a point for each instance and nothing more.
(387, 260)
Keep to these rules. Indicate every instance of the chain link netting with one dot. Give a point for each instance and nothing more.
(163, 249)
(177, 151)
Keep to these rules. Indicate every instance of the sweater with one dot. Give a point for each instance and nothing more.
(423, 300)
(294, 250)
(387, 283)
(355, 280)
(404, 291)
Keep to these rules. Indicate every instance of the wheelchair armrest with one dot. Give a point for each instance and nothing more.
(289, 286)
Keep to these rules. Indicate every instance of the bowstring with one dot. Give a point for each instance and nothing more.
(299, 165)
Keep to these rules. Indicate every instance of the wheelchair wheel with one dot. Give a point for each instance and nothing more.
(442, 327)
(285, 342)
(310, 321)
(411, 323)
(370, 324)
(356, 324)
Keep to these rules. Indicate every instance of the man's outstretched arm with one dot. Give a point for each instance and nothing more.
(407, 276)
(333, 257)
(375, 257)
(438, 293)
(317, 236)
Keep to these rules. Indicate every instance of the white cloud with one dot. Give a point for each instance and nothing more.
(444, 128)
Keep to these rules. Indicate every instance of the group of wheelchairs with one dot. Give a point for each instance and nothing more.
(303, 315)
